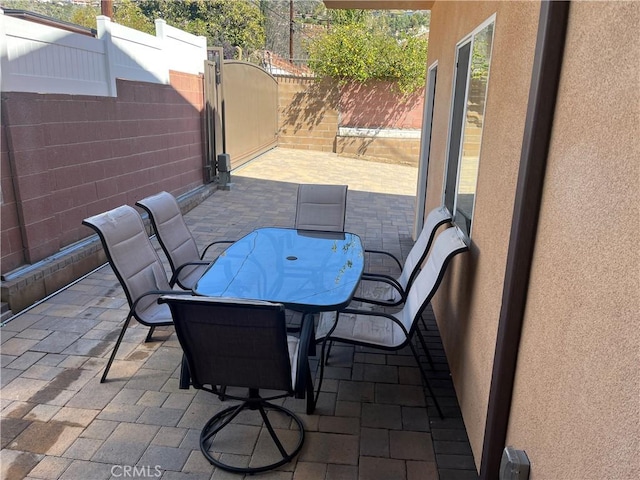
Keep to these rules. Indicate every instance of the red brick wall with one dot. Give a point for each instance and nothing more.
(377, 105)
(76, 156)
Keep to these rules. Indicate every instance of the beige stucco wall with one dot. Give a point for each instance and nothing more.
(468, 303)
(576, 407)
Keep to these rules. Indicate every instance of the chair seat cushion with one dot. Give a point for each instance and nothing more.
(155, 314)
(190, 275)
(359, 328)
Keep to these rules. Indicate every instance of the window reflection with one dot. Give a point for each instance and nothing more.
(474, 120)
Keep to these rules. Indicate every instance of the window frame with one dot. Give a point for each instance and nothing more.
(425, 145)
(453, 166)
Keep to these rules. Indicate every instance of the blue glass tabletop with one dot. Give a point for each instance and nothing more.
(310, 271)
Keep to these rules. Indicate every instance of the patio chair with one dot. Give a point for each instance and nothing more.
(244, 343)
(388, 291)
(136, 265)
(176, 240)
(321, 207)
(394, 331)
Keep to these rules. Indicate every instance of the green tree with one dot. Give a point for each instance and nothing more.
(348, 17)
(362, 48)
(227, 23)
(125, 12)
(129, 14)
(85, 16)
(56, 10)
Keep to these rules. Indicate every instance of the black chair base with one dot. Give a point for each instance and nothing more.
(223, 418)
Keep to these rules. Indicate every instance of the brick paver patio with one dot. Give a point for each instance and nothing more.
(372, 421)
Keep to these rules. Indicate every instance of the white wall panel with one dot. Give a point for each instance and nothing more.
(134, 55)
(43, 59)
(184, 52)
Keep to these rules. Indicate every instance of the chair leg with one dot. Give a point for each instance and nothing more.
(222, 396)
(221, 419)
(274, 437)
(151, 329)
(424, 347)
(426, 380)
(310, 394)
(321, 364)
(185, 375)
(115, 348)
(326, 360)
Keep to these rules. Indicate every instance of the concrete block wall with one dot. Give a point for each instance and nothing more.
(378, 105)
(311, 112)
(70, 157)
(403, 151)
(66, 157)
(307, 113)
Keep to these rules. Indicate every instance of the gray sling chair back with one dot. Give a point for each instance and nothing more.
(244, 343)
(137, 266)
(176, 240)
(321, 207)
(385, 290)
(394, 331)
(388, 291)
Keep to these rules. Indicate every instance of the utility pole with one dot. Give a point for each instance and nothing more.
(290, 31)
(106, 8)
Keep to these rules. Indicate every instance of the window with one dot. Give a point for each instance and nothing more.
(473, 58)
(425, 147)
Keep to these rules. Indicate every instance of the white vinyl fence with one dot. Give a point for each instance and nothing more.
(43, 59)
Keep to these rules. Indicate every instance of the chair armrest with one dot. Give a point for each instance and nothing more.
(373, 277)
(381, 277)
(381, 252)
(174, 277)
(214, 243)
(155, 292)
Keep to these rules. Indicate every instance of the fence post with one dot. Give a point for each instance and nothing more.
(104, 34)
(160, 29)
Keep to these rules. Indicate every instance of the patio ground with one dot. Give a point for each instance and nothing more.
(372, 422)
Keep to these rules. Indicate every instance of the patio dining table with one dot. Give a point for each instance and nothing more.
(306, 271)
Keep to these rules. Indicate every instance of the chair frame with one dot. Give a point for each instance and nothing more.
(147, 205)
(133, 303)
(302, 388)
(328, 339)
(441, 216)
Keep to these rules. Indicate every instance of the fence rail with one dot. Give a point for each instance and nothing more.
(45, 59)
(277, 65)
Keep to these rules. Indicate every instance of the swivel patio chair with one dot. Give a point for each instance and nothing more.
(137, 267)
(388, 291)
(321, 207)
(244, 343)
(176, 240)
(394, 331)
